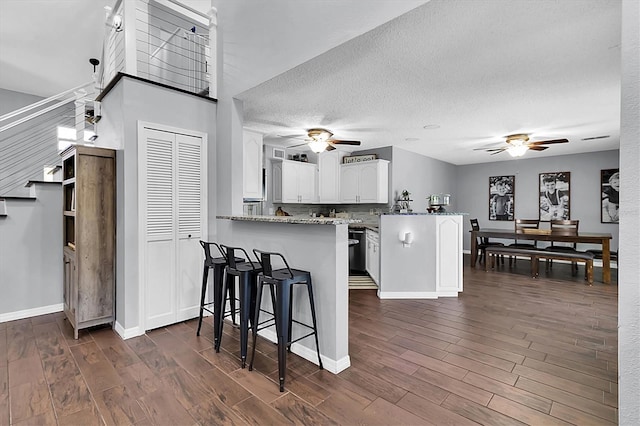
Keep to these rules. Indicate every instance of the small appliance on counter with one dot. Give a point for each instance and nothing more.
(252, 208)
(437, 202)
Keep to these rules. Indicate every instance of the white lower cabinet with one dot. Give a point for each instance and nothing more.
(294, 182)
(372, 262)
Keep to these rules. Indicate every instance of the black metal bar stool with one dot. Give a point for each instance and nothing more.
(218, 264)
(282, 281)
(246, 273)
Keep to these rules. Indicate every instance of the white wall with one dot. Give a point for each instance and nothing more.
(128, 102)
(31, 253)
(628, 266)
(472, 191)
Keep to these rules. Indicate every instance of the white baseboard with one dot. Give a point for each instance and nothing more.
(33, 312)
(331, 365)
(408, 295)
(127, 333)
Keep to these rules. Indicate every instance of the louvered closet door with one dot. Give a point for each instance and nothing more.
(173, 188)
(160, 253)
(190, 224)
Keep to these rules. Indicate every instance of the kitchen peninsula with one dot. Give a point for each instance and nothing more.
(318, 245)
(420, 255)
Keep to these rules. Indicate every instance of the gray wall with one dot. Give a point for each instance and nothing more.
(423, 176)
(31, 251)
(11, 101)
(129, 102)
(472, 192)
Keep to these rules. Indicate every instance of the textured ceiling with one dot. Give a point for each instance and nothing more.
(479, 70)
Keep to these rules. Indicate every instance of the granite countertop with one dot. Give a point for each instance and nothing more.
(304, 220)
(364, 226)
(425, 214)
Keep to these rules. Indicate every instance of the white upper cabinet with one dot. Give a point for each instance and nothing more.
(366, 182)
(294, 182)
(252, 165)
(329, 176)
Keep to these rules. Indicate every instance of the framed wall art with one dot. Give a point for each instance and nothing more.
(555, 196)
(610, 195)
(501, 197)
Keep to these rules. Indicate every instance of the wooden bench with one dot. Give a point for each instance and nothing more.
(536, 254)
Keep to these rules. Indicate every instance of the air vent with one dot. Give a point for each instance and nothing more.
(278, 153)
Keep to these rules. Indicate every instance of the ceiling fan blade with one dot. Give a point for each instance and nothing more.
(548, 142)
(493, 149)
(295, 146)
(341, 142)
(330, 147)
(538, 148)
(497, 151)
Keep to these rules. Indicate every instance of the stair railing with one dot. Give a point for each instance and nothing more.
(28, 138)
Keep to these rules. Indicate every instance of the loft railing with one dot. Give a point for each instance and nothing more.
(29, 136)
(163, 41)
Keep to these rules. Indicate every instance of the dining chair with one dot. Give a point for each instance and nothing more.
(483, 242)
(563, 227)
(521, 225)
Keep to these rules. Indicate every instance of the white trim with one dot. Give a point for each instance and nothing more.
(331, 365)
(408, 295)
(127, 333)
(33, 312)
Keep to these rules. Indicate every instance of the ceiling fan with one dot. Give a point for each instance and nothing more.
(518, 144)
(320, 140)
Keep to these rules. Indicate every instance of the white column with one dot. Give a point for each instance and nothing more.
(79, 114)
(213, 52)
(628, 269)
(129, 27)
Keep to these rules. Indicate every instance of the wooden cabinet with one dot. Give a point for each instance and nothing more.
(89, 220)
(294, 182)
(329, 176)
(252, 165)
(373, 255)
(366, 182)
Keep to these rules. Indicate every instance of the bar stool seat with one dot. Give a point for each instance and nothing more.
(246, 273)
(218, 264)
(281, 282)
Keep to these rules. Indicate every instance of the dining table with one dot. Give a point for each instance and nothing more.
(603, 239)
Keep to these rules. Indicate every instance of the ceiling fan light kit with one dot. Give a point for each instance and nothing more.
(518, 145)
(318, 146)
(320, 140)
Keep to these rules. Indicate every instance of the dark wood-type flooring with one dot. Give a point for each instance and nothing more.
(510, 350)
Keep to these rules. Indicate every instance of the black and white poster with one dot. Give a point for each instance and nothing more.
(501, 197)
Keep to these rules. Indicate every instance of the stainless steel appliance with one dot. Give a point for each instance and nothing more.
(357, 251)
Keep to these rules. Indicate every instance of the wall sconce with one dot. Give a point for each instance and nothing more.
(406, 238)
(117, 23)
